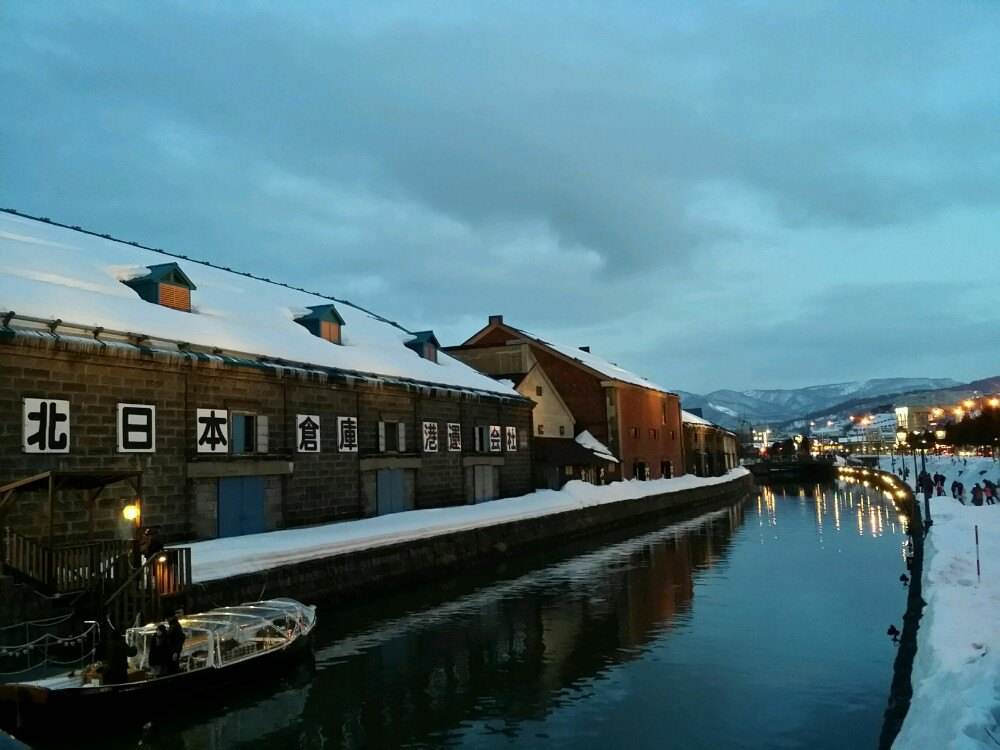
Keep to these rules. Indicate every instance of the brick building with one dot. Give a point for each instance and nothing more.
(710, 450)
(246, 404)
(637, 421)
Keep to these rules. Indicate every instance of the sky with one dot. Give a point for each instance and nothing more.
(714, 195)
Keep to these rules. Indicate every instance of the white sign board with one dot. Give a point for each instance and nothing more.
(511, 433)
(496, 441)
(45, 427)
(454, 436)
(430, 437)
(136, 428)
(307, 433)
(212, 429)
(347, 434)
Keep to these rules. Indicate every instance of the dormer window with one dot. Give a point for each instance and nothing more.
(323, 321)
(425, 344)
(165, 284)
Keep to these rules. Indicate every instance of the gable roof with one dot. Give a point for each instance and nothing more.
(165, 273)
(51, 271)
(322, 313)
(597, 365)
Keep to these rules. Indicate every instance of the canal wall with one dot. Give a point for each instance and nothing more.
(901, 690)
(358, 573)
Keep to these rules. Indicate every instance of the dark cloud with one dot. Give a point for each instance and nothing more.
(597, 173)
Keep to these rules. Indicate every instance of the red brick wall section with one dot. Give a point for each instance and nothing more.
(656, 442)
(581, 391)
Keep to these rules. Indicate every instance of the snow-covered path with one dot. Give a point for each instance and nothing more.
(956, 673)
(220, 558)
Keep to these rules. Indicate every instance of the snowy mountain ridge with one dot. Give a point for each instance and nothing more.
(728, 407)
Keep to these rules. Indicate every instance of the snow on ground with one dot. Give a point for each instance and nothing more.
(219, 558)
(956, 673)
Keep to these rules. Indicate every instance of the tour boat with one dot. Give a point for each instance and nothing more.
(223, 645)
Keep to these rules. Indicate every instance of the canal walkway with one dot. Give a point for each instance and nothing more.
(956, 671)
(234, 556)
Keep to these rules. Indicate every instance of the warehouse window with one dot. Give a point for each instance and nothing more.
(248, 433)
(323, 321)
(165, 284)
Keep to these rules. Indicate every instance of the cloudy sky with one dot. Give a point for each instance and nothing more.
(714, 195)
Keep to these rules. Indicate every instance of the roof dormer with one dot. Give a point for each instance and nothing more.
(165, 284)
(323, 321)
(425, 344)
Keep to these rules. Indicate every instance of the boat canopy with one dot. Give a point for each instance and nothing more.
(226, 634)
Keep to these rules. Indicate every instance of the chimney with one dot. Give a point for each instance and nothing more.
(496, 320)
(585, 349)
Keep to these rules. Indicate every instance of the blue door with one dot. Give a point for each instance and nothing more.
(390, 490)
(241, 506)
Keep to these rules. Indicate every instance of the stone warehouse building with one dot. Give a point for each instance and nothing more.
(576, 392)
(246, 404)
(710, 450)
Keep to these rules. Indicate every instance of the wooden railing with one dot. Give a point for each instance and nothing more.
(150, 590)
(64, 569)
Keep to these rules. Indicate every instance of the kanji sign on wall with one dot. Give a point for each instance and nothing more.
(136, 428)
(45, 426)
(347, 434)
(454, 436)
(212, 429)
(307, 433)
(495, 439)
(430, 437)
(511, 433)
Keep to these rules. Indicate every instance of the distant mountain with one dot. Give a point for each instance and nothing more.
(780, 405)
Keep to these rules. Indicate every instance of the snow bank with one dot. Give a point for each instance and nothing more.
(220, 558)
(956, 673)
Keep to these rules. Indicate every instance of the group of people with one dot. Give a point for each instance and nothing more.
(980, 494)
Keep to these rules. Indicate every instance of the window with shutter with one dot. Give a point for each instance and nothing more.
(330, 331)
(176, 297)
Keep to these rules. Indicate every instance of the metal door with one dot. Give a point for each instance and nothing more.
(390, 490)
(484, 479)
(241, 506)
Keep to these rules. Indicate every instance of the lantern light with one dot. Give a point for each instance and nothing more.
(131, 512)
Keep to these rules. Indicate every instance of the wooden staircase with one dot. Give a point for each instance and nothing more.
(101, 577)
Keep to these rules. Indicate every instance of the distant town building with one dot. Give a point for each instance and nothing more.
(576, 391)
(912, 418)
(246, 405)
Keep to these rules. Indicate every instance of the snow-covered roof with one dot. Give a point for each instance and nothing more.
(689, 418)
(56, 272)
(595, 446)
(594, 362)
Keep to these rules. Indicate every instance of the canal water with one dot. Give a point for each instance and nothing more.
(761, 625)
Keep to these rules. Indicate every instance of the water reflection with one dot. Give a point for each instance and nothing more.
(724, 613)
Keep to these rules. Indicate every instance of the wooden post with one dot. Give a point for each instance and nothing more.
(51, 509)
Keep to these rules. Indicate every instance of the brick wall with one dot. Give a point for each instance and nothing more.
(321, 487)
(659, 439)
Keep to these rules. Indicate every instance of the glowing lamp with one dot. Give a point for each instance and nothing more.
(940, 434)
(161, 559)
(968, 403)
(131, 512)
(994, 402)
(901, 435)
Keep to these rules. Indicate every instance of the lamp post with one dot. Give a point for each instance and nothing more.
(901, 448)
